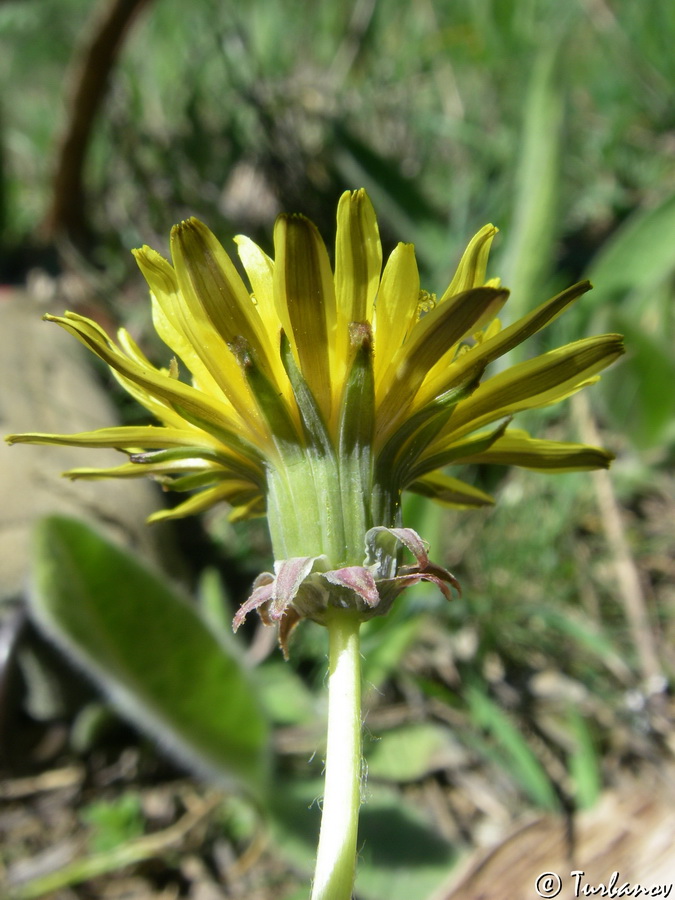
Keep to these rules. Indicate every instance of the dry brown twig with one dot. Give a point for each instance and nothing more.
(628, 582)
(91, 67)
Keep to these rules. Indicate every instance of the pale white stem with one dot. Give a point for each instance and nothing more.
(336, 855)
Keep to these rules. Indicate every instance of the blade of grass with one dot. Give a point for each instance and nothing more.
(527, 258)
(518, 758)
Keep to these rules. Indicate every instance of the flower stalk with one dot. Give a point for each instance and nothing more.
(336, 855)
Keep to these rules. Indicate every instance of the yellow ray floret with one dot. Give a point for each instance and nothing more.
(309, 384)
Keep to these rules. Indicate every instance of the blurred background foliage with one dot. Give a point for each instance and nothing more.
(555, 121)
(450, 114)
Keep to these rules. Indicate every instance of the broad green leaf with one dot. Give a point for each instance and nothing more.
(285, 697)
(401, 856)
(216, 610)
(638, 256)
(633, 293)
(149, 651)
(412, 751)
(636, 395)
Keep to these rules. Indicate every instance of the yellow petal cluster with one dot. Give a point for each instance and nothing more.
(310, 362)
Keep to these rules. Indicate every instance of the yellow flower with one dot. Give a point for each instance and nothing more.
(318, 396)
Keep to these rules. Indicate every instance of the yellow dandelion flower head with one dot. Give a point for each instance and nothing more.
(319, 393)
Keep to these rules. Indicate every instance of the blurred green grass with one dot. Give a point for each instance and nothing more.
(450, 114)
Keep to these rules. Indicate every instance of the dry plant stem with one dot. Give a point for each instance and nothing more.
(336, 856)
(628, 577)
(92, 66)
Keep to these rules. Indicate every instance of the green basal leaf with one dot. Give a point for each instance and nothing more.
(635, 396)
(149, 651)
(286, 698)
(637, 257)
(411, 752)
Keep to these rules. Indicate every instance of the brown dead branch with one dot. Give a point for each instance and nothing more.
(628, 582)
(90, 74)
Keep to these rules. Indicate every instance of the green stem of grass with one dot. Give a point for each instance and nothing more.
(336, 855)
